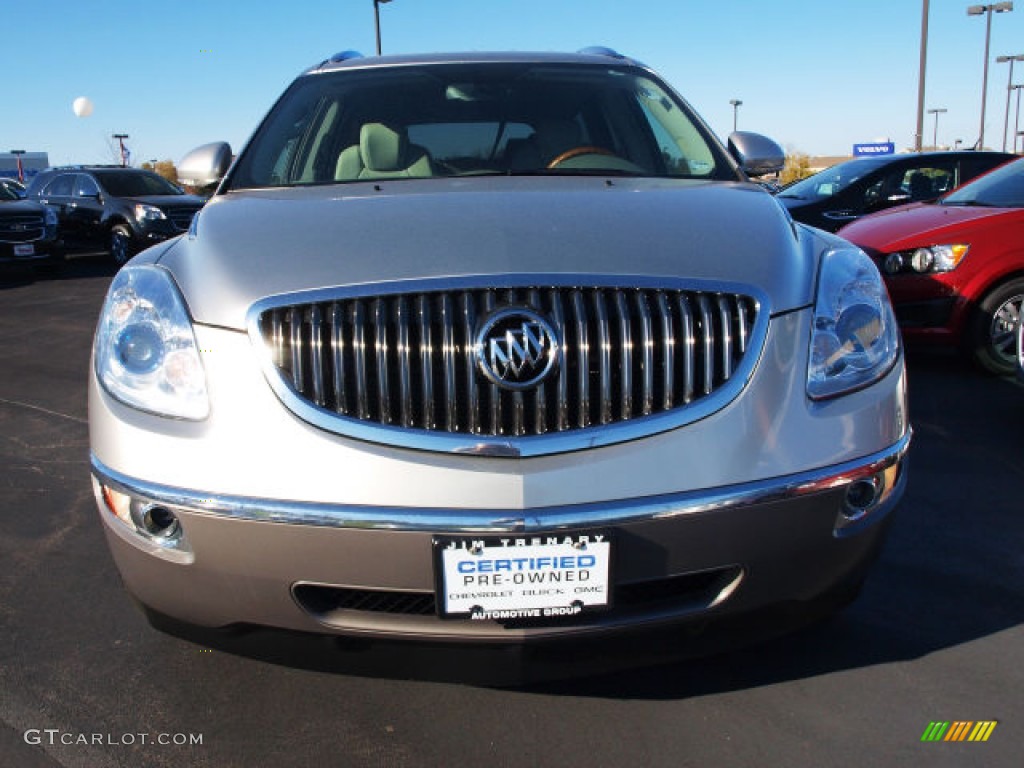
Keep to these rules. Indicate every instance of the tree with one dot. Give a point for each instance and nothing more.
(165, 168)
(798, 166)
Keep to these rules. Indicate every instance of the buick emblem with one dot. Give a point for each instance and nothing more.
(516, 348)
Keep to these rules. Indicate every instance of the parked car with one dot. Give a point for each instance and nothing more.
(28, 232)
(12, 185)
(494, 347)
(834, 197)
(955, 268)
(112, 208)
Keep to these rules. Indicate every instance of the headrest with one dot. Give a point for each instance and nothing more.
(382, 148)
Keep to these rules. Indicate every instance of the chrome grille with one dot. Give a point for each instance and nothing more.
(181, 218)
(22, 228)
(406, 361)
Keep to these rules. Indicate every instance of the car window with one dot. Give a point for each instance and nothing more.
(85, 186)
(1002, 188)
(449, 120)
(6, 193)
(135, 184)
(60, 186)
(909, 185)
(832, 181)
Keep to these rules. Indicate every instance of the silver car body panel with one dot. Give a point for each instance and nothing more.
(254, 244)
(770, 430)
(488, 521)
(753, 500)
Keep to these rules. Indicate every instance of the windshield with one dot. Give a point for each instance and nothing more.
(1002, 188)
(832, 180)
(7, 193)
(475, 119)
(135, 184)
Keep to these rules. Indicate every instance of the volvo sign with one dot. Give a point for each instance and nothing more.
(876, 148)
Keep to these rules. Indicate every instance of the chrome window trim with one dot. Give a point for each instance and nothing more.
(510, 446)
(490, 521)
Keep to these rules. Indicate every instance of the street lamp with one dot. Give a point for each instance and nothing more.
(1009, 89)
(120, 139)
(978, 10)
(920, 76)
(935, 135)
(376, 19)
(736, 103)
(1016, 120)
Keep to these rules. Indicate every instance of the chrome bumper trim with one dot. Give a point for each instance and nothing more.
(491, 521)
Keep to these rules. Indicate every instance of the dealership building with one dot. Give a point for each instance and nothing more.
(31, 164)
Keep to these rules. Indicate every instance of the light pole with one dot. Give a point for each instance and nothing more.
(736, 103)
(376, 20)
(1009, 89)
(935, 135)
(120, 139)
(1016, 120)
(920, 77)
(978, 10)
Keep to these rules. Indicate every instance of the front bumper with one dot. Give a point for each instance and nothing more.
(365, 570)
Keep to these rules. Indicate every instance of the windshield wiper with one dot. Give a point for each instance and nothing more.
(791, 196)
(969, 204)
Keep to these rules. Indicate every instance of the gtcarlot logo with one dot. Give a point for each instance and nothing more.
(959, 730)
(54, 736)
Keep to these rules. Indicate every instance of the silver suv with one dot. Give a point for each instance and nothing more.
(493, 348)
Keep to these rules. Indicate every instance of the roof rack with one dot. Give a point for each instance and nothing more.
(601, 50)
(336, 59)
(345, 56)
(83, 166)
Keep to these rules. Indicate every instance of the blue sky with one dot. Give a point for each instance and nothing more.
(815, 75)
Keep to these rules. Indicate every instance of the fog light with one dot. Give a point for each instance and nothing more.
(861, 496)
(151, 521)
(160, 522)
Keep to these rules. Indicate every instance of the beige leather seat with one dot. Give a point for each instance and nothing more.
(382, 153)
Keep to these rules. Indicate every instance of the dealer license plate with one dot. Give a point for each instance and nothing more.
(532, 577)
(24, 249)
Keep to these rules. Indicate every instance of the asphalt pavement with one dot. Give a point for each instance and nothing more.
(936, 636)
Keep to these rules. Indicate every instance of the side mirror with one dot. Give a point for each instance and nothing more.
(205, 165)
(757, 155)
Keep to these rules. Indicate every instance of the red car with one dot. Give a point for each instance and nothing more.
(955, 267)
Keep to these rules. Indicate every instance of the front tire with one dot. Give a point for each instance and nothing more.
(991, 338)
(120, 245)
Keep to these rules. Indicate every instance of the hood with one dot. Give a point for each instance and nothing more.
(168, 201)
(20, 207)
(911, 225)
(248, 245)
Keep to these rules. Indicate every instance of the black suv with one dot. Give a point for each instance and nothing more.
(115, 208)
(28, 231)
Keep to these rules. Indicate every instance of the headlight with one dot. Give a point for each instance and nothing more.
(934, 258)
(50, 217)
(148, 213)
(146, 353)
(854, 341)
